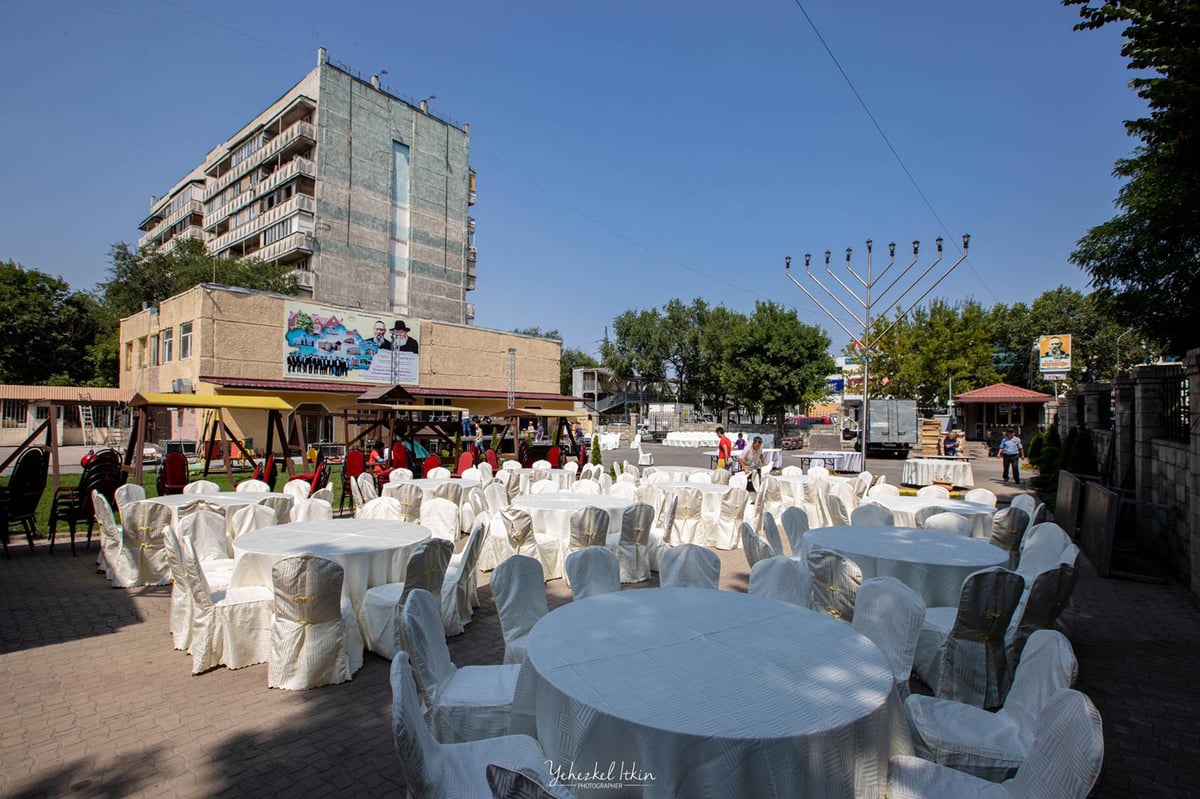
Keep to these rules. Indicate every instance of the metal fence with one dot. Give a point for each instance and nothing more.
(1176, 409)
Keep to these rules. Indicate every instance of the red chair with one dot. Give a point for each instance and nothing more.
(267, 472)
(354, 465)
(465, 461)
(320, 477)
(399, 455)
(431, 463)
(174, 474)
(554, 456)
(493, 461)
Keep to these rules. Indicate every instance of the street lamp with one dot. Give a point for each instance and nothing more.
(1126, 332)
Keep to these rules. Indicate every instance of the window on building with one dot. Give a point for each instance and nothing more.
(153, 347)
(185, 341)
(14, 413)
(168, 345)
(128, 356)
(141, 352)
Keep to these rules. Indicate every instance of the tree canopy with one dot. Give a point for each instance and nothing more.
(44, 327)
(1147, 258)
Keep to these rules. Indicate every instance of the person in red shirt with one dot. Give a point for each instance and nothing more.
(724, 449)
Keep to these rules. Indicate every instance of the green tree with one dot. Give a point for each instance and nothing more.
(638, 348)
(570, 360)
(536, 332)
(1147, 258)
(776, 361)
(716, 330)
(44, 328)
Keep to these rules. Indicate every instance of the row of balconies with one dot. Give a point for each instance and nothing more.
(300, 131)
(298, 203)
(187, 209)
(300, 241)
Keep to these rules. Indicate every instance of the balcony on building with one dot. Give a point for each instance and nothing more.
(289, 133)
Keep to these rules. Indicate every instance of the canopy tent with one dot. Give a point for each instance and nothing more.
(561, 435)
(143, 404)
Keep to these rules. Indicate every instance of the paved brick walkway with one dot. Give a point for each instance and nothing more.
(95, 702)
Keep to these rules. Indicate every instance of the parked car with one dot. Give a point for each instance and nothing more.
(151, 455)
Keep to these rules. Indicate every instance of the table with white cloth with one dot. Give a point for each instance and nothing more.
(933, 563)
(429, 485)
(371, 551)
(772, 455)
(791, 486)
(551, 514)
(562, 478)
(834, 460)
(904, 511)
(610, 441)
(711, 496)
(923, 472)
(226, 502)
(676, 474)
(695, 692)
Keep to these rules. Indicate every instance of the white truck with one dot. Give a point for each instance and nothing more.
(894, 426)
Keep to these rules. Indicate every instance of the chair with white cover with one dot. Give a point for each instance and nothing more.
(699, 477)
(208, 530)
(644, 458)
(1064, 760)
(795, 525)
(883, 490)
(981, 495)
(486, 472)
(470, 509)
(143, 561)
(582, 487)
(839, 509)
(523, 783)
(816, 501)
(356, 495)
(1041, 548)
(1008, 529)
(324, 494)
(933, 492)
(201, 487)
(770, 496)
(472, 473)
(111, 537)
(128, 493)
(180, 615)
(496, 496)
(451, 490)
(381, 508)
(458, 587)
(632, 548)
(861, 483)
(1047, 596)
(994, 745)
(739, 480)
(689, 566)
(471, 703)
(754, 545)
(662, 535)
(410, 497)
(721, 477)
(551, 487)
(726, 529)
(836, 581)
(519, 588)
(512, 466)
(890, 613)
(770, 531)
(1026, 502)
(624, 490)
(949, 523)
(689, 525)
(780, 577)
(791, 471)
(381, 605)
(438, 473)
(252, 486)
(250, 517)
(456, 771)
(368, 485)
(589, 528)
(400, 475)
(961, 651)
(591, 571)
(441, 517)
(306, 510)
(871, 514)
(230, 628)
(298, 489)
(818, 471)
(314, 634)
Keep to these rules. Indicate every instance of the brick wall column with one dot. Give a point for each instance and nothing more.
(1096, 400)
(1123, 431)
(1192, 370)
(1149, 382)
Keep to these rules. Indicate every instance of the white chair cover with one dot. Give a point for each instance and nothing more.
(323, 494)
(981, 495)
(624, 490)
(451, 490)
(207, 529)
(580, 487)
(662, 535)
(861, 483)
(815, 503)
(458, 586)
(496, 496)
(591, 571)
(486, 472)
(142, 560)
(836, 581)
(994, 745)
(250, 517)
(961, 652)
(890, 613)
(305, 510)
(127, 493)
(473, 505)
(839, 509)
(791, 471)
(870, 514)
(933, 492)
(472, 473)
(770, 496)
(381, 605)
(314, 634)
(399, 475)
(1041, 548)
(229, 628)
(455, 771)
(739, 480)
(253, 486)
(541, 463)
(633, 547)
(818, 471)
(512, 466)
(467, 704)
(689, 525)
(368, 485)
(282, 505)
(1048, 595)
(1064, 760)
(589, 528)
(519, 588)
(181, 598)
(551, 487)
(883, 490)
(441, 517)
(381, 508)
(948, 522)
(782, 578)
(726, 529)
(770, 531)
(410, 497)
(1026, 502)
(689, 566)
(699, 477)
(297, 489)
(201, 487)
(755, 546)
(795, 525)
(110, 536)
(1008, 529)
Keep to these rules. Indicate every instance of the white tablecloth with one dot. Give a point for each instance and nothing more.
(835, 460)
(694, 692)
(677, 474)
(227, 501)
(771, 455)
(923, 472)
(904, 511)
(610, 440)
(372, 552)
(931, 562)
(551, 514)
(563, 479)
(429, 485)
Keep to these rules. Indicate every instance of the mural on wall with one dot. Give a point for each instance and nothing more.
(354, 346)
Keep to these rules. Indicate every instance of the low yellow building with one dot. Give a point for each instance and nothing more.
(218, 340)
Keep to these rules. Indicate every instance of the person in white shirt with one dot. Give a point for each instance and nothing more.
(1012, 450)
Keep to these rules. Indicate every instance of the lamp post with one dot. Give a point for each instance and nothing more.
(1124, 333)
(869, 301)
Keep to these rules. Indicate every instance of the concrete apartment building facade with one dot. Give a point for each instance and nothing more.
(363, 193)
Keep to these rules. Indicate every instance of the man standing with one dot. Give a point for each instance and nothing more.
(1011, 450)
(724, 449)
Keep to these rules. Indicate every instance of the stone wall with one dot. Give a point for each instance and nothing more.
(1169, 539)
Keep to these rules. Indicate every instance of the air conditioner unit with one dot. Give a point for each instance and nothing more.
(470, 312)
(181, 385)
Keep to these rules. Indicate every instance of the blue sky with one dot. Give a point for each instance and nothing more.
(627, 152)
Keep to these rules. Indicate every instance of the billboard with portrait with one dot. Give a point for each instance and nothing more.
(353, 346)
(1054, 353)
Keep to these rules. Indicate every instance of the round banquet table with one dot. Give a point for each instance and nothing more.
(926, 471)
(676, 474)
(371, 551)
(711, 496)
(227, 502)
(551, 514)
(931, 562)
(561, 478)
(694, 692)
(904, 511)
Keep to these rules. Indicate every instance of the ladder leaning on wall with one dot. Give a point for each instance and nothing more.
(85, 419)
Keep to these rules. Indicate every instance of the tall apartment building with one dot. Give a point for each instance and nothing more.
(365, 194)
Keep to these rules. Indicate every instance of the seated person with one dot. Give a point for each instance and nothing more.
(379, 457)
(950, 444)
